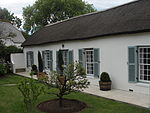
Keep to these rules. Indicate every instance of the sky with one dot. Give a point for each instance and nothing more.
(15, 6)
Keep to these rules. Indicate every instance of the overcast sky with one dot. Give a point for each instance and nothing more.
(16, 6)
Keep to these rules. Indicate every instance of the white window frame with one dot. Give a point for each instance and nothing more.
(89, 62)
(47, 60)
(29, 59)
(143, 64)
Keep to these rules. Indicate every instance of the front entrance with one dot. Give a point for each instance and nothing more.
(65, 55)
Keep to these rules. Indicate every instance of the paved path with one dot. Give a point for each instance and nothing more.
(119, 95)
(8, 84)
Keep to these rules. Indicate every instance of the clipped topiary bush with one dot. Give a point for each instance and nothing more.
(105, 77)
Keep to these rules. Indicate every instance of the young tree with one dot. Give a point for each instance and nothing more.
(75, 80)
(30, 91)
(43, 12)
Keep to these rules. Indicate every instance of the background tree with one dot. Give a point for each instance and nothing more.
(7, 16)
(43, 12)
(2, 51)
(6, 51)
(11, 49)
(26, 35)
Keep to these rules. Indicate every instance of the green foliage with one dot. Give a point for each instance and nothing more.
(40, 62)
(30, 91)
(3, 69)
(34, 69)
(2, 50)
(73, 80)
(25, 35)
(6, 51)
(7, 16)
(43, 12)
(11, 49)
(60, 62)
(105, 77)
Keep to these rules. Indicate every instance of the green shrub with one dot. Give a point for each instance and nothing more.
(30, 91)
(105, 77)
(3, 69)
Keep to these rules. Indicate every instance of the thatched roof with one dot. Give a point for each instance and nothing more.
(129, 18)
(8, 31)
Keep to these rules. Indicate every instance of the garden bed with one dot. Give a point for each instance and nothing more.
(68, 106)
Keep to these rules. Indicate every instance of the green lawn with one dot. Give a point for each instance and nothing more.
(11, 100)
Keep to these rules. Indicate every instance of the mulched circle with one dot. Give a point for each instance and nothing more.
(69, 106)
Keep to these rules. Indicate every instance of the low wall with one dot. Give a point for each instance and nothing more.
(18, 62)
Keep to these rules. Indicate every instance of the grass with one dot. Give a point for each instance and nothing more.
(11, 100)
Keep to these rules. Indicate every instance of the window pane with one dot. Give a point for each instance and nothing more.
(144, 50)
(145, 72)
(145, 66)
(148, 61)
(149, 72)
(148, 78)
(144, 55)
(145, 77)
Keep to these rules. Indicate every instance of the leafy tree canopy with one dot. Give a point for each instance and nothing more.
(25, 34)
(7, 16)
(43, 12)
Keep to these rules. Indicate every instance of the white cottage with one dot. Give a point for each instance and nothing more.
(116, 41)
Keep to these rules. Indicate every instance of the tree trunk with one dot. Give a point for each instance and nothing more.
(60, 101)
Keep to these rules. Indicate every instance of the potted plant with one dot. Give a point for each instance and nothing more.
(105, 82)
(34, 70)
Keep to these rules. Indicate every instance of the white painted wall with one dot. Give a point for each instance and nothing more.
(17, 59)
(113, 56)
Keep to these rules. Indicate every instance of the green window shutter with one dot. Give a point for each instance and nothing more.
(96, 62)
(27, 58)
(43, 57)
(57, 60)
(51, 60)
(132, 64)
(71, 57)
(32, 58)
(81, 56)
